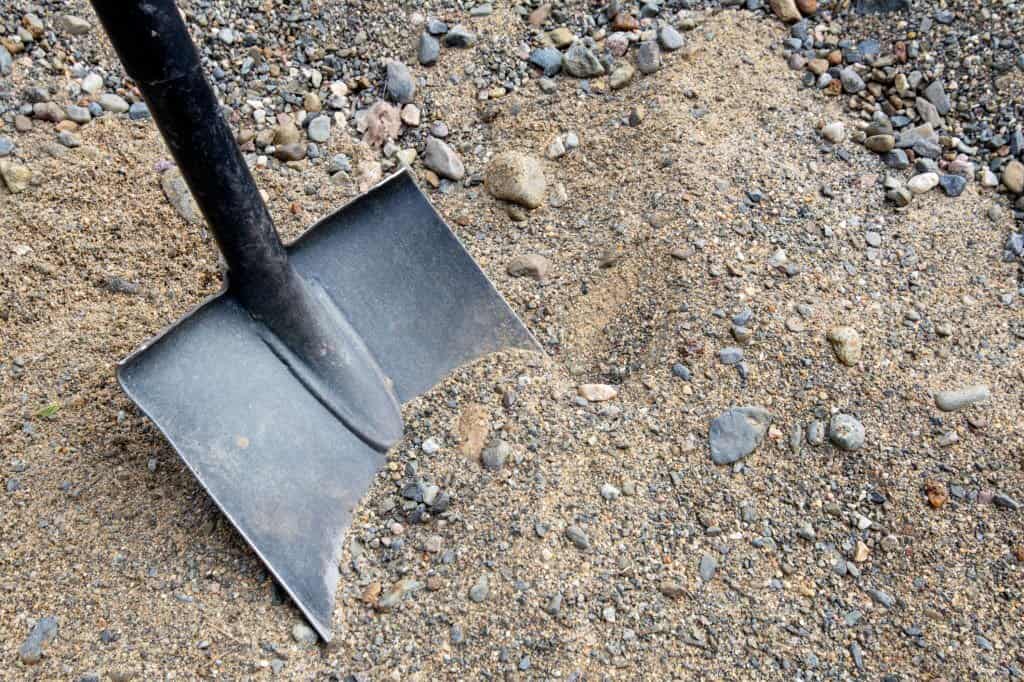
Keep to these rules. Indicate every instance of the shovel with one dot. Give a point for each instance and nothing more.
(282, 392)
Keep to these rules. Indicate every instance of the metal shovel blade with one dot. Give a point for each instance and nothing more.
(279, 464)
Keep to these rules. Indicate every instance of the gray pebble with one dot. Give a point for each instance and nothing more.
(707, 567)
(576, 535)
(737, 432)
(950, 401)
(41, 634)
(846, 432)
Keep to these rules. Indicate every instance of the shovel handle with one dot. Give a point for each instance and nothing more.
(152, 41)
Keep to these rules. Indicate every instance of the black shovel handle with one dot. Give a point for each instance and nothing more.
(154, 46)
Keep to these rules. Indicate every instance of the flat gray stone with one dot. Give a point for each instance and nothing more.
(41, 634)
(737, 432)
(950, 401)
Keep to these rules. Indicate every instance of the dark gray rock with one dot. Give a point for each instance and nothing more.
(737, 432)
(851, 80)
(936, 94)
(952, 185)
(648, 57)
(881, 6)
(460, 36)
(577, 536)
(398, 84)
(428, 50)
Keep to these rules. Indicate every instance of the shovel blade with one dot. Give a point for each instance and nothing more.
(283, 469)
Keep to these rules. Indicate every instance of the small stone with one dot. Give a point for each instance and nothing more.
(786, 10)
(673, 589)
(730, 355)
(669, 38)
(16, 176)
(925, 182)
(41, 634)
(707, 567)
(597, 393)
(950, 401)
(398, 83)
(72, 25)
(179, 196)
(737, 432)
(936, 493)
(561, 37)
(580, 62)
(936, 94)
(429, 49)
(648, 57)
(319, 129)
(459, 36)
(532, 265)
(880, 143)
(851, 81)
(577, 536)
(952, 185)
(883, 598)
(443, 160)
(92, 83)
(621, 76)
(290, 152)
(547, 59)
(480, 590)
(1013, 177)
(1004, 501)
(846, 432)
(138, 111)
(610, 492)
(834, 132)
(846, 344)
(516, 177)
(113, 103)
(495, 456)
(303, 635)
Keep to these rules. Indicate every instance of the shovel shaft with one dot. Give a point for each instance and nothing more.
(154, 46)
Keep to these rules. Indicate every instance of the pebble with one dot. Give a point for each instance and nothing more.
(669, 38)
(428, 50)
(516, 177)
(179, 196)
(950, 401)
(494, 456)
(786, 10)
(532, 265)
(730, 355)
(72, 25)
(443, 160)
(15, 175)
(577, 536)
(1013, 177)
(621, 76)
(41, 634)
(846, 432)
(952, 185)
(846, 344)
(579, 62)
(459, 36)
(851, 81)
(882, 597)
(303, 635)
(319, 129)
(113, 103)
(648, 57)
(597, 393)
(547, 59)
(707, 567)
(834, 132)
(480, 590)
(399, 85)
(610, 492)
(6, 146)
(138, 111)
(925, 182)
(737, 432)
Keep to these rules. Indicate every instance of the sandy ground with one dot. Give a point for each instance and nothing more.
(109, 532)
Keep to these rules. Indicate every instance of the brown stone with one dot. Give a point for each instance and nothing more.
(807, 7)
(540, 15)
(786, 10)
(625, 22)
(936, 493)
